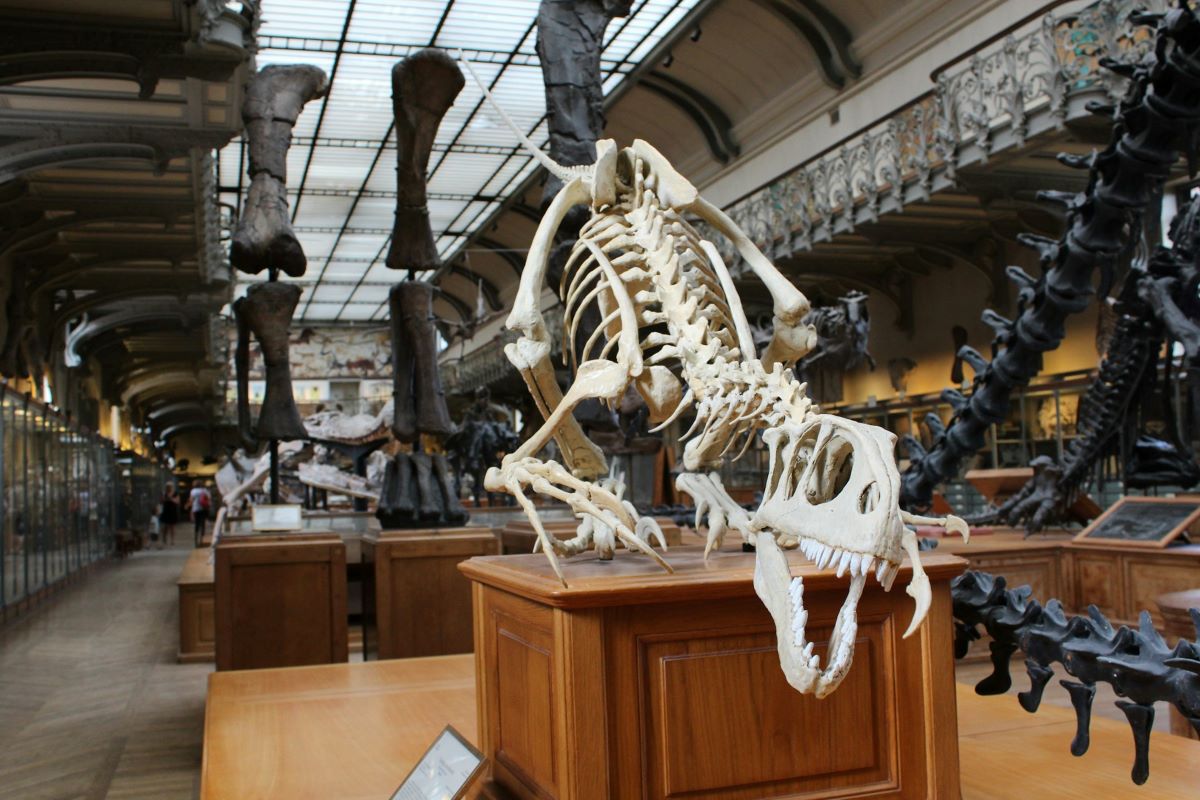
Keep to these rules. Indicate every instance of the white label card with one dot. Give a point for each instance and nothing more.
(276, 518)
(444, 772)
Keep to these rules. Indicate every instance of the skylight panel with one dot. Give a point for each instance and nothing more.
(358, 313)
(345, 213)
(332, 293)
(389, 21)
(487, 24)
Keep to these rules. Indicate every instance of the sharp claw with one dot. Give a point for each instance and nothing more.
(918, 588)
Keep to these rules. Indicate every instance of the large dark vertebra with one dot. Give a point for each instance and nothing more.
(266, 311)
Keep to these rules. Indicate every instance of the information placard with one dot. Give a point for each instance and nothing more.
(444, 772)
(276, 518)
(1150, 522)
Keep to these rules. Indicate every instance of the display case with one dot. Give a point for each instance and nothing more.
(58, 498)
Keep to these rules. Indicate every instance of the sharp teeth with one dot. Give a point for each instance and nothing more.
(891, 577)
(843, 564)
(824, 557)
(855, 564)
(881, 572)
(808, 650)
(867, 563)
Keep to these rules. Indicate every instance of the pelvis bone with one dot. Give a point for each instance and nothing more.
(266, 311)
(274, 98)
(672, 326)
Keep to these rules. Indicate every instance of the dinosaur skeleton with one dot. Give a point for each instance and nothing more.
(1137, 664)
(1149, 127)
(666, 298)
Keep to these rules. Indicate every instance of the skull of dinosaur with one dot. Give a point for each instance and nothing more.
(831, 491)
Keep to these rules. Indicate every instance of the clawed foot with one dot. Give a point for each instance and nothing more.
(593, 505)
(711, 498)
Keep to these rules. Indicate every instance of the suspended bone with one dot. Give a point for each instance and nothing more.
(267, 310)
(420, 401)
(275, 97)
(424, 87)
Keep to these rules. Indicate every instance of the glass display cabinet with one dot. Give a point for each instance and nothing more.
(58, 497)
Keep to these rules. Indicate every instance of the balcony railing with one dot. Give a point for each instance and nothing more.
(1034, 79)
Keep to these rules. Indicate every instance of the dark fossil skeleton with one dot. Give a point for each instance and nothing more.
(418, 488)
(1138, 664)
(1162, 104)
(1156, 302)
(264, 239)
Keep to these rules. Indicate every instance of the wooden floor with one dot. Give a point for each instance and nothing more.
(92, 703)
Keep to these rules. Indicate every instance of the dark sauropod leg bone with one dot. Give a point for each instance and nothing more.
(429, 506)
(241, 364)
(274, 99)
(267, 309)
(424, 86)
(404, 412)
(455, 513)
(415, 348)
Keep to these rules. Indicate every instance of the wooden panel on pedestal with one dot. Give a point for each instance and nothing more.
(416, 602)
(633, 682)
(281, 601)
(197, 609)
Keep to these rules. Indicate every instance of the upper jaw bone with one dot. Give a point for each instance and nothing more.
(783, 596)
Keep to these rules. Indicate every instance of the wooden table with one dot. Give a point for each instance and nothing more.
(354, 730)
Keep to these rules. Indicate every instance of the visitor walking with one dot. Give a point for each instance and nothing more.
(168, 515)
(200, 501)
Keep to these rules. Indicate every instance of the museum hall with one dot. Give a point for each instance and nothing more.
(599, 399)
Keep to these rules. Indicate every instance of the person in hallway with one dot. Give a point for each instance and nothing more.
(200, 501)
(168, 514)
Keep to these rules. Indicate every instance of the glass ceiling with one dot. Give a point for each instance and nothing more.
(341, 167)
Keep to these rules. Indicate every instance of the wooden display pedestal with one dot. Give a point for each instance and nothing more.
(281, 600)
(518, 536)
(415, 601)
(197, 609)
(637, 683)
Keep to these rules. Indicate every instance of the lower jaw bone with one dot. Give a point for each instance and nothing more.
(783, 596)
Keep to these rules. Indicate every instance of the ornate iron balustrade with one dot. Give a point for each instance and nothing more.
(1031, 81)
(488, 364)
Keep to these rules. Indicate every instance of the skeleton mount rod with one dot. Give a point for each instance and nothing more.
(1162, 103)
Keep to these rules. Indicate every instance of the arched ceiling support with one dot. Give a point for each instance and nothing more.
(162, 413)
(465, 312)
(44, 231)
(55, 274)
(828, 37)
(88, 329)
(183, 427)
(712, 121)
(515, 262)
(145, 383)
(172, 293)
(490, 293)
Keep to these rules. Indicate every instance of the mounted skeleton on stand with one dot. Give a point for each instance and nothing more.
(673, 327)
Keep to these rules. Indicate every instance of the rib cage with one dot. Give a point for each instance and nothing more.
(666, 269)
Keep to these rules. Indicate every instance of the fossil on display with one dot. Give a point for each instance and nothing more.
(275, 96)
(1151, 123)
(418, 492)
(266, 311)
(842, 334)
(666, 299)
(264, 239)
(1155, 305)
(1137, 664)
(418, 488)
(483, 436)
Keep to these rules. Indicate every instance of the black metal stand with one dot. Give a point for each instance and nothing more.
(273, 444)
